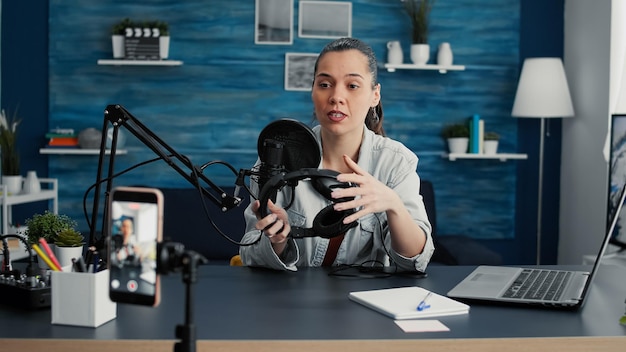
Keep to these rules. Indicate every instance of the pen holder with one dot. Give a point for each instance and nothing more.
(81, 299)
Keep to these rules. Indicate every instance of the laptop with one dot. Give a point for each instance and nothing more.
(564, 289)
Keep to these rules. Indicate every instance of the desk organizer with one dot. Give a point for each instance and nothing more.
(81, 299)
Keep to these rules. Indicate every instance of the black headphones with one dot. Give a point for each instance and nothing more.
(328, 222)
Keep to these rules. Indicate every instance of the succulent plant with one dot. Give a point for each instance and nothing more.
(69, 238)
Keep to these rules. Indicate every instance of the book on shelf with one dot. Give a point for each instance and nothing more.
(477, 131)
(62, 138)
(63, 142)
(403, 303)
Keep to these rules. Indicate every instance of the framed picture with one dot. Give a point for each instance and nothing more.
(299, 69)
(617, 174)
(324, 19)
(273, 22)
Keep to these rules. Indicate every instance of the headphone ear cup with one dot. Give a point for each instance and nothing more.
(328, 223)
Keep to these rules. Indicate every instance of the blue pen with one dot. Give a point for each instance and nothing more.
(96, 261)
(423, 304)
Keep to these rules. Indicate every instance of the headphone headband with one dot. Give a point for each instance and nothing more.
(328, 222)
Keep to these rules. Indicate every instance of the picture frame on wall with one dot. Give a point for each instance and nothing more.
(299, 69)
(324, 19)
(273, 22)
(617, 175)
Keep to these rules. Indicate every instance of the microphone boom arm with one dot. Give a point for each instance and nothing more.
(118, 116)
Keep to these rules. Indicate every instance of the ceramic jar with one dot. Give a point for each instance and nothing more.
(444, 54)
(31, 183)
(394, 53)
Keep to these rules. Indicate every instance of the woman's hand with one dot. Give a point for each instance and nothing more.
(275, 225)
(372, 196)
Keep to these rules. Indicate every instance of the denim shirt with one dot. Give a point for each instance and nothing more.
(388, 161)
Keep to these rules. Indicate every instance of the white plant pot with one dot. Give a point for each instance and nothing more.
(13, 183)
(458, 145)
(420, 53)
(118, 46)
(164, 47)
(490, 147)
(66, 254)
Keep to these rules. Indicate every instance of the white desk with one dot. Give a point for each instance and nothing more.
(49, 191)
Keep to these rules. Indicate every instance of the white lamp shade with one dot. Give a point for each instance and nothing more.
(542, 90)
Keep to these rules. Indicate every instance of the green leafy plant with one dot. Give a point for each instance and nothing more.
(69, 238)
(47, 225)
(8, 144)
(164, 28)
(419, 13)
(455, 130)
(120, 27)
(491, 136)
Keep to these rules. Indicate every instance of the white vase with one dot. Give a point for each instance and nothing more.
(66, 254)
(31, 183)
(117, 40)
(164, 47)
(13, 183)
(490, 147)
(458, 145)
(420, 53)
(394, 53)
(444, 54)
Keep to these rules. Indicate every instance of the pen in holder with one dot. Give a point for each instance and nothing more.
(81, 298)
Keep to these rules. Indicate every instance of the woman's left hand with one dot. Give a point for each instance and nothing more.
(371, 195)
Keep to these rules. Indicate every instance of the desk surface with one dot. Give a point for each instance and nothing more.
(239, 303)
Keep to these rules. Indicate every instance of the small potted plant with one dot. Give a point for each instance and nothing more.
(490, 142)
(164, 39)
(117, 37)
(457, 137)
(69, 244)
(419, 13)
(47, 226)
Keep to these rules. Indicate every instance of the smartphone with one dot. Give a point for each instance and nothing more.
(135, 219)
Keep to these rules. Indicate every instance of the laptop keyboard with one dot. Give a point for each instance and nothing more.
(538, 284)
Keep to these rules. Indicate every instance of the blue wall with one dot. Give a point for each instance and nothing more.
(228, 89)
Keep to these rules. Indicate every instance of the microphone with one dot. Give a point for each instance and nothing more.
(273, 164)
(286, 145)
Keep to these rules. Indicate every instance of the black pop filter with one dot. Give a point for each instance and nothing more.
(300, 147)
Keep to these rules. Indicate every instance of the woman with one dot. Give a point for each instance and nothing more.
(392, 221)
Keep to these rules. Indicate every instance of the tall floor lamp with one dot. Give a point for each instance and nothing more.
(542, 92)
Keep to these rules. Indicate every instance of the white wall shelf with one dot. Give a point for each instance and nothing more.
(78, 151)
(48, 192)
(440, 68)
(501, 157)
(140, 62)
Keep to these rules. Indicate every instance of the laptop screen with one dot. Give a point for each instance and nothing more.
(615, 216)
(617, 176)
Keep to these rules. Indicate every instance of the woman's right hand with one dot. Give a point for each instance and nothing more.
(275, 225)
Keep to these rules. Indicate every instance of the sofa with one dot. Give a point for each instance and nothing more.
(186, 222)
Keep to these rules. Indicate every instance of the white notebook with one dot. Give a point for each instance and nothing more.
(402, 303)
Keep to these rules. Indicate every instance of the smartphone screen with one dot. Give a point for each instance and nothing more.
(135, 228)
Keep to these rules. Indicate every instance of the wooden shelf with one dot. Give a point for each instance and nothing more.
(440, 68)
(78, 151)
(501, 157)
(140, 62)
